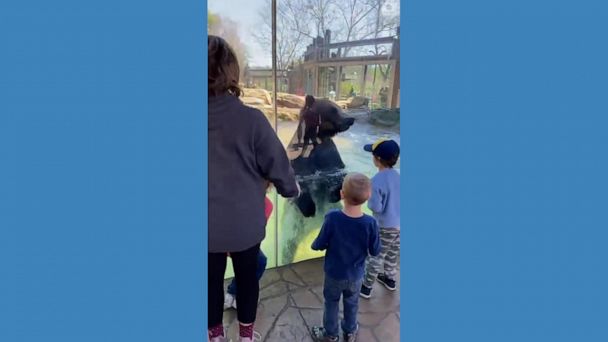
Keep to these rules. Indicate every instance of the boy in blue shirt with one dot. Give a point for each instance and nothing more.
(349, 236)
(384, 203)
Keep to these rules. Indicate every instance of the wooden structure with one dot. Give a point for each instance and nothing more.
(324, 60)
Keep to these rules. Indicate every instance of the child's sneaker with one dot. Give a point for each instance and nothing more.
(256, 337)
(220, 338)
(387, 282)
(318, 335)
(229, 302)
(366, 292)
(352, 337)
(247, 334)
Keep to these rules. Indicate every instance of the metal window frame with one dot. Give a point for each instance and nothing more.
(276, 120)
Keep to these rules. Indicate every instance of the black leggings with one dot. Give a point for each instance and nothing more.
(245, 267)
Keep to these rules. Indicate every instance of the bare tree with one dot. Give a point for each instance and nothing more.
(380, 25)
(298, 21)
(353, 14)
(293, 30)
(228, 29)
(322, 14)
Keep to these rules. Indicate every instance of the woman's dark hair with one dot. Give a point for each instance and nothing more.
(224, 68)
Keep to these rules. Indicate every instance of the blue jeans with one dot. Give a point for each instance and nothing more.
(262, 260)
(332, 290)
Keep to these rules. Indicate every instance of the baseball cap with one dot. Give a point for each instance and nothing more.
(383, 149)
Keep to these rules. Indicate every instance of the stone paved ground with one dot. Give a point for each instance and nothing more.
(292, 302)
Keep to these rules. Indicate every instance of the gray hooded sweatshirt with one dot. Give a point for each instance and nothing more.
(244, 152)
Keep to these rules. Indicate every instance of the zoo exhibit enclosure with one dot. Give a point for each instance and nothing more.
(355, 74)
(356, 86)
(289, 233)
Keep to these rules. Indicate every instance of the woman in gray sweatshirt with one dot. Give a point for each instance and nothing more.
(244, 153)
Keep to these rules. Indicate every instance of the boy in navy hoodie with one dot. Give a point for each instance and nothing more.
(349, 236)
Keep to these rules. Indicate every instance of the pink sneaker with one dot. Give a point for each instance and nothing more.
(221, 338)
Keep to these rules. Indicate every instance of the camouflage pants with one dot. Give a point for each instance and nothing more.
(389, 256)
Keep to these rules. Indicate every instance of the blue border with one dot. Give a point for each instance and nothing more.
(505, 163)
(205, 206)
(101, 157)
(504, 136)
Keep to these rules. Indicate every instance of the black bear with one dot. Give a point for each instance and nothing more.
(320, 173)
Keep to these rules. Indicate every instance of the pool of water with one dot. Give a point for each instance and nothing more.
(350, 143)
(288, 224)
(291, 224)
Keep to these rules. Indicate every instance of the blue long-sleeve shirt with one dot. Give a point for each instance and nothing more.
(348, 242)
(384, 201)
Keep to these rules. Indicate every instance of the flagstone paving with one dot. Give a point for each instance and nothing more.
(291, 302)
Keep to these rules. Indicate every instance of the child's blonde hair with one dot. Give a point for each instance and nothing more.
(356, 188)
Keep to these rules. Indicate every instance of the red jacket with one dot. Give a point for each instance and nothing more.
(268, 208)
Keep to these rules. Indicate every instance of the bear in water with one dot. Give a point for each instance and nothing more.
(320, 173)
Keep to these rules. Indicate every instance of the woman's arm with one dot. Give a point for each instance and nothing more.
(272, 159)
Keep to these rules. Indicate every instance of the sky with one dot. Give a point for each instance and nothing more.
(245, 13)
